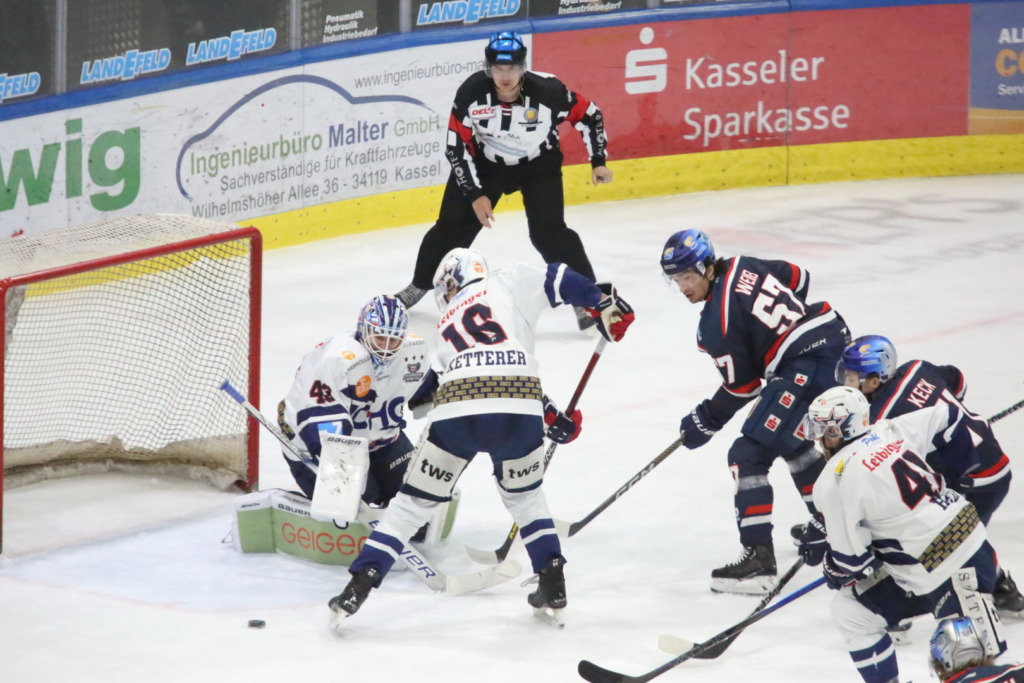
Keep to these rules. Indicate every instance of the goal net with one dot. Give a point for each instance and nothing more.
(117, 336)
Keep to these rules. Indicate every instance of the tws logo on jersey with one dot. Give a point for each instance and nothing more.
(465, 11)
(38, 179)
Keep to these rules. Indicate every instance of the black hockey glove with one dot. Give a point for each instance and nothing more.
(694, 429)
(612, 314)
(813, 544)
(837, 578)
(561, 427)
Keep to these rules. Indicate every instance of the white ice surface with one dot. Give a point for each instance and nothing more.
(117, 578)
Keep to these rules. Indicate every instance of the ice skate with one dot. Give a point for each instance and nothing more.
(411, 295)
(549, 600)
(1006, 598)
(352, 598)
(754, 573)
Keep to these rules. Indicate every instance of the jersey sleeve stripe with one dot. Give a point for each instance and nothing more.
(907, 378)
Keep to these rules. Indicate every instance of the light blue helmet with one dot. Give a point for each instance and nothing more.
(955, 645)
(869, 354)
(382, 327)
(687, 249)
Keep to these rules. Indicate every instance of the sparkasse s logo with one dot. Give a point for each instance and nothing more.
(646, 68)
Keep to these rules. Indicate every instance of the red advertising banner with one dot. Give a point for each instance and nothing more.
(726, 83)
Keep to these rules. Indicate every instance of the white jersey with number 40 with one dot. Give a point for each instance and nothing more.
(880, 498)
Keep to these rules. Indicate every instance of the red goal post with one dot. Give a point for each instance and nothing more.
(117, 336)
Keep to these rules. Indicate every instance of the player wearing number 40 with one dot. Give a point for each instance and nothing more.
(767, 342)
(357, 384)
(489, 400)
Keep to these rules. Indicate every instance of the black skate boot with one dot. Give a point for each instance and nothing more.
(549, 599)
(1006, 597)
(411, 295)
(752, 574)
(354, 595)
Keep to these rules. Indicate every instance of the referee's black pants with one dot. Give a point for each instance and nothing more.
(540, 182)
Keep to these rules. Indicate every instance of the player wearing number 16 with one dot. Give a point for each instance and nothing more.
(489, 400)
(768, 343)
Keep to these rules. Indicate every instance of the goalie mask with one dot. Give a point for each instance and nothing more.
(840, 413)
(865, 355)
(382, 327)
(955, 645)
(457, 269)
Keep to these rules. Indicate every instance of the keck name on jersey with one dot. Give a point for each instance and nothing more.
(474, 359)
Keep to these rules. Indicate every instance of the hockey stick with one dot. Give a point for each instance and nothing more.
(1003, 413)
(437, 580)
(676, 646)
(496, 556)
(597, 674)
(575, 527)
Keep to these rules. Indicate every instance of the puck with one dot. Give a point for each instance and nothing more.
(257, 623)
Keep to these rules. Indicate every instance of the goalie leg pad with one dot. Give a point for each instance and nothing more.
(523, 473)
(976, 605)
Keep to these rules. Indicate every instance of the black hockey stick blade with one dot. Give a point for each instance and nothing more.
(596, 674)
(713, 651)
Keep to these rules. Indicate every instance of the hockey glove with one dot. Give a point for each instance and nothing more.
(612, 314)
(694, 429)
(837, 578)
(813, 544)
(561, 427)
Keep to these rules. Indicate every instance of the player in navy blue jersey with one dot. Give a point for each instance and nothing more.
(957, 655)
(869, 363)
(503, 138)
(770, 343)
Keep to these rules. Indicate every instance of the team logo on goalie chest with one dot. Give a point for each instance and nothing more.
(413, 373)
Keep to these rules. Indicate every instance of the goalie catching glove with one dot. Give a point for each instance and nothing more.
(562, 428)
(612, 314)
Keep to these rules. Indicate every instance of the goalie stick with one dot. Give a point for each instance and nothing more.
(1003, 413)
(674, 645)
(596, 674)
(499, 555)
(458, 584)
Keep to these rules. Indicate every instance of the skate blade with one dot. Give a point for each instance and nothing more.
(336, 618)
(550, 616)
(759, 585)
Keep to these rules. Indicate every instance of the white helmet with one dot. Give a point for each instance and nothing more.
(458, 268)
(839, 413)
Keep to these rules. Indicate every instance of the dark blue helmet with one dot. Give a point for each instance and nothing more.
(871, 353)
(687, 249)
(505, 47)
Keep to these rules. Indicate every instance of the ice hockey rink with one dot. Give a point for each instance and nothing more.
(114, 578)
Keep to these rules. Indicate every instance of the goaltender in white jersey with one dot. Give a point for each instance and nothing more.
(899, 542)
(357, 384)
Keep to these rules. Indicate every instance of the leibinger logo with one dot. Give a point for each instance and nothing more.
(465, 11)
